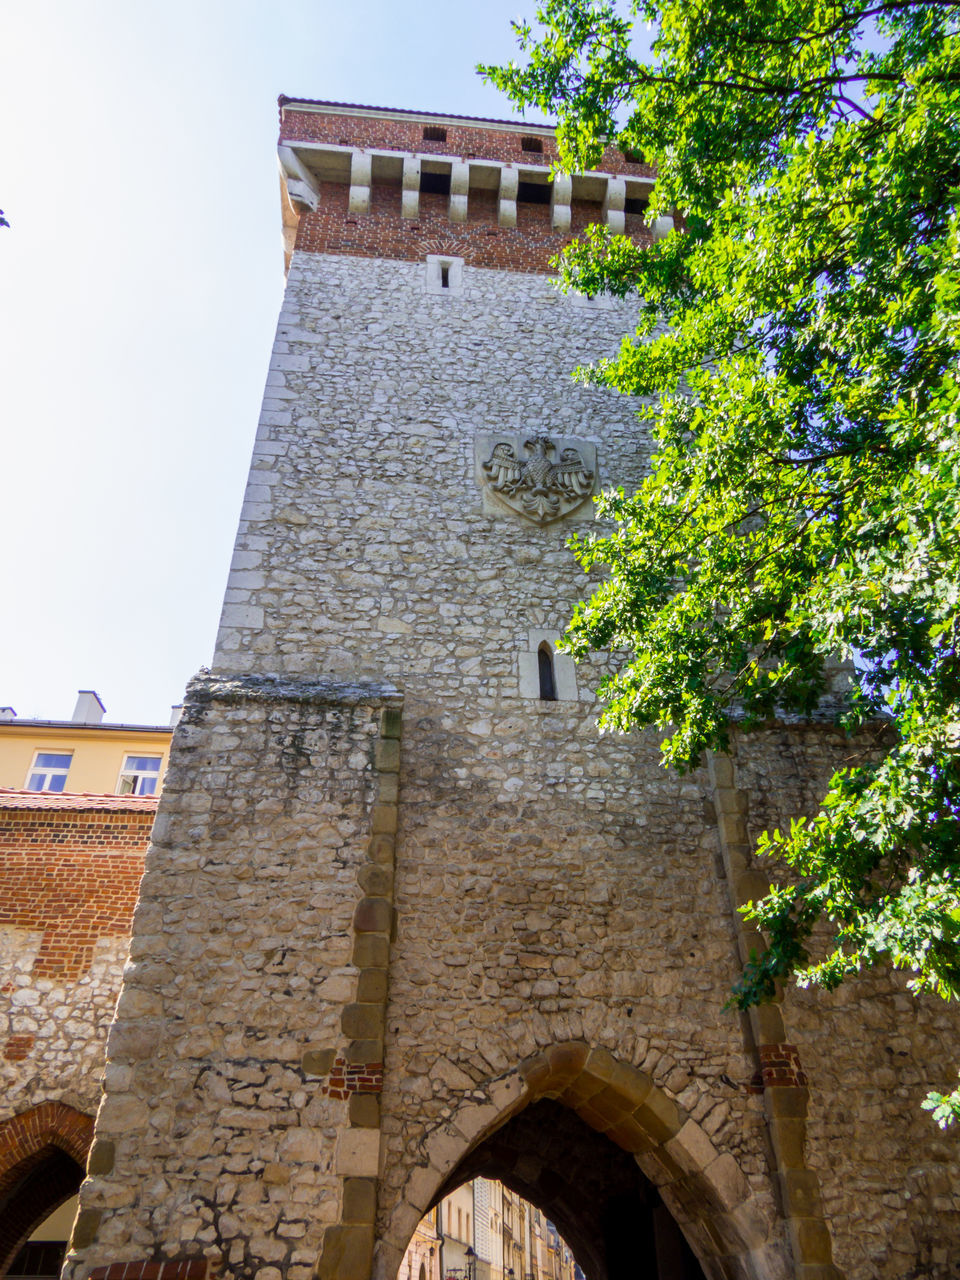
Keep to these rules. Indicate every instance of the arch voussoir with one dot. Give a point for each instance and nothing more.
(25, 1136)
(702, 1187)
(33, 1143)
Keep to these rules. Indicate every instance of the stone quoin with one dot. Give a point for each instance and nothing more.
(406, 918)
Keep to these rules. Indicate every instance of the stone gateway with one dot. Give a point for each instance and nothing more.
(406, 918)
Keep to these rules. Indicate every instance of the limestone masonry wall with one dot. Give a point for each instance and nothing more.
(214, 1130)
(498, 908)
(890, 1180)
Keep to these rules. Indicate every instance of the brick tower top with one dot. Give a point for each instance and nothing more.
(378, 182)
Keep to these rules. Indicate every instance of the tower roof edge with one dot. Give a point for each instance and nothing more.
(404, 113)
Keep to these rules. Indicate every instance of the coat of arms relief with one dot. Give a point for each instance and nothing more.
(538, 476)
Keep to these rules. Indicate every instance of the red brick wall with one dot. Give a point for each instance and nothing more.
(480, 241)
(465, 140)
(382, 233)
(73, 875)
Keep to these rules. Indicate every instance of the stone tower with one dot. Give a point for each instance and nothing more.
(406, 917)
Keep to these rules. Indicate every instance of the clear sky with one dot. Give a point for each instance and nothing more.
(140, 282)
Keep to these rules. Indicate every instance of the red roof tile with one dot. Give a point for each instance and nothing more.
(12, 799)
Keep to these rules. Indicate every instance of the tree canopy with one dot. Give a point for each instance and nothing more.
(799, 342)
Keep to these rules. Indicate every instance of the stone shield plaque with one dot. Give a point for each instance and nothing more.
(538, 476)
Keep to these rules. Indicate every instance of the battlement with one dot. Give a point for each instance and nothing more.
(377, 182)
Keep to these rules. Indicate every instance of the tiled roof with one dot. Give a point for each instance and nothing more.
(12, 799)
(284, 101)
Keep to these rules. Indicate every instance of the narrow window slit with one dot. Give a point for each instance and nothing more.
(548, 688)
(444, 276)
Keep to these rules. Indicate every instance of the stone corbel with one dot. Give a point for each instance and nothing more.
(560, 198)
(410, 197)
(459, 189)
(661, 227)
(613, 205)
(290, 214)
(507, 206)
(301, 184)
(361, 174)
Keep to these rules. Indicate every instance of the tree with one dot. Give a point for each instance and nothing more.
(799, 339)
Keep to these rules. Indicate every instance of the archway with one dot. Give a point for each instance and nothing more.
(42, 1155)
(732, 1229)
(609, 1213)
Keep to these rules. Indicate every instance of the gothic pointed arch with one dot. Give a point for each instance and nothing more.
(538, 1126)
(42, 1155)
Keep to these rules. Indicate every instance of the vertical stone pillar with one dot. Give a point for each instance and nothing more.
(560, 198)
(361, 177)
(410, 190)
(459, 191)
(782, 1079)
(507, 204)
(348, 1245)
(240, 1123)
(613, 205)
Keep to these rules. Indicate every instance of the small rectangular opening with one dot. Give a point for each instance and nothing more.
(438, 183)
(444, 276)
(533, 192)
(632, 157)
(532, 144)
(434, 133)
(634, 205)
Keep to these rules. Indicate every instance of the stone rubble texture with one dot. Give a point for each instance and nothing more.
(69, 872)
(495, 904)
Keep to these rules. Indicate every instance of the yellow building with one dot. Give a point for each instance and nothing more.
(83, 755)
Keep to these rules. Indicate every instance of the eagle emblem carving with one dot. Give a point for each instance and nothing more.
(539, 476)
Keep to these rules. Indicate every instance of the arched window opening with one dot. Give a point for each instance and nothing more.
(548, 686)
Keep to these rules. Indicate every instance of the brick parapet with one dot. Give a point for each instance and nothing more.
(499, 141)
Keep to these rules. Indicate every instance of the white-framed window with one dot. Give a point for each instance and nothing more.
(139, 776)
(49, 772)
(545, 674)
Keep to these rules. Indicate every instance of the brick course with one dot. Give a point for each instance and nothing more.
(72, 876)
(382, 233)
(70, 868)
(466, 139)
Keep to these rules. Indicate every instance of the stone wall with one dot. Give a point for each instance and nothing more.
(870, 1052)
(70, 867)
(410, 131)
(563, 925)
(254, 929)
